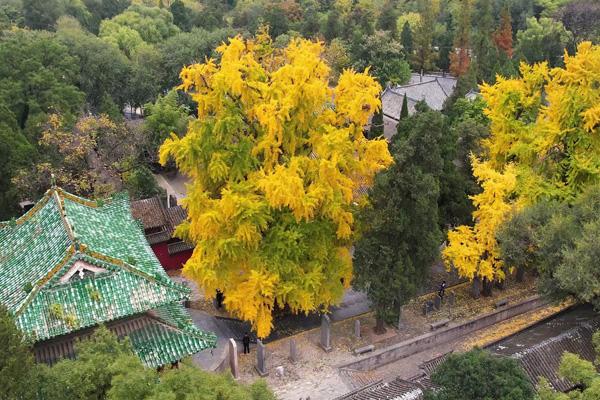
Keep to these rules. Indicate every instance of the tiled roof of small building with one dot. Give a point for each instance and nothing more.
(149, 212)
(432, 88)
(41, 251)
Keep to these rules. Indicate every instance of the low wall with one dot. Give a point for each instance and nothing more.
(415, 345)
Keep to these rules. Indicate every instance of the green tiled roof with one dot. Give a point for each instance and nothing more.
(177, 337)
(38, 249)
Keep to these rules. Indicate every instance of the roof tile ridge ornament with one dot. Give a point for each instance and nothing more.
(63, 215)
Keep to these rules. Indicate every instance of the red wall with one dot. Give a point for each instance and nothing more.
(170, 262)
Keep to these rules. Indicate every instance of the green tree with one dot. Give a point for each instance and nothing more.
(41, 77)
(404, 110)
(164, 117)
(399, 231)
(388, 14)
(333, 26)
(424, 55)
(406, 39)
(383, 55)
(18, 374)
(477, 375)
(42, 14)
(152, 23)
(103, 69)
(187, 48)
(146, 75)
(181, 15)
(543, 40)
(103, 9)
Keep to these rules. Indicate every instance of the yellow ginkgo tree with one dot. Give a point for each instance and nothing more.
(544, 144)
(275, 158)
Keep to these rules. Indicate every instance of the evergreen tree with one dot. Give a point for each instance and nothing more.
(424, 56)
(404, 111)
(406, 39)
(400, 235)
(459, 57)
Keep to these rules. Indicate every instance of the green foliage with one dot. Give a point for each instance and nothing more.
(406, 39)
(17, 372)
(164, 117)
(140, 183)
(151, 23)
(383, 54)
(103, 69)
(399, 231)
(186, 48)
(478, 375)
(543, 40)
(41, 76)
(560, 240)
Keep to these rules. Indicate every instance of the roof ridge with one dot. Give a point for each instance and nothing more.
(442, 87)
(63, 216)
(163, 280)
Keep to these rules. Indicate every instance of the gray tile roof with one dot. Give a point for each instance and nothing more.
(433, 89)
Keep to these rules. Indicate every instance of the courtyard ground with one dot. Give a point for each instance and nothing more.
(316, 374)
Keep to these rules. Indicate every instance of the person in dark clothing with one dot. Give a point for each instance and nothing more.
(246, 342)
(219, 298)
(442, 290)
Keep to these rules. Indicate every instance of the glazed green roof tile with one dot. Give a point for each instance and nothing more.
(71, 263)
(87, 302)
(162, 343)
(29, 250)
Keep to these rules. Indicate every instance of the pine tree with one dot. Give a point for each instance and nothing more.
(424, 55)
(404, 111)
(406, 39)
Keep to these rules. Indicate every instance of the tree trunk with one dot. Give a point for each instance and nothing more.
(520, 274)
(487, 287)
(379, 325)
(476, 288)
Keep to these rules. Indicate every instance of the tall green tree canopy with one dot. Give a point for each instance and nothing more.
(399, 230)
(543, 40)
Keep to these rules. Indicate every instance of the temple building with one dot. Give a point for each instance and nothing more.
(70, 264)
(159, 223)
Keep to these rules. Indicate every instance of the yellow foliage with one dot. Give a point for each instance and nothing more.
(275, 157)
(544, 144)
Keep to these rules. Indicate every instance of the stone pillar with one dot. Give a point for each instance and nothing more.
(260, 358)
(357, 328)
(437, 302)
(293, 351)
(326, 333)
(233, 358)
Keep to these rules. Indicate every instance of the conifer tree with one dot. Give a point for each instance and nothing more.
(460, 58)
(404, 110)
(406, 39)
(503, 36)
(424, 55)
(275, 159)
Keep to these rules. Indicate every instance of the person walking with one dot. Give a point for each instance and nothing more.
(246, 342)
(442, 290)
